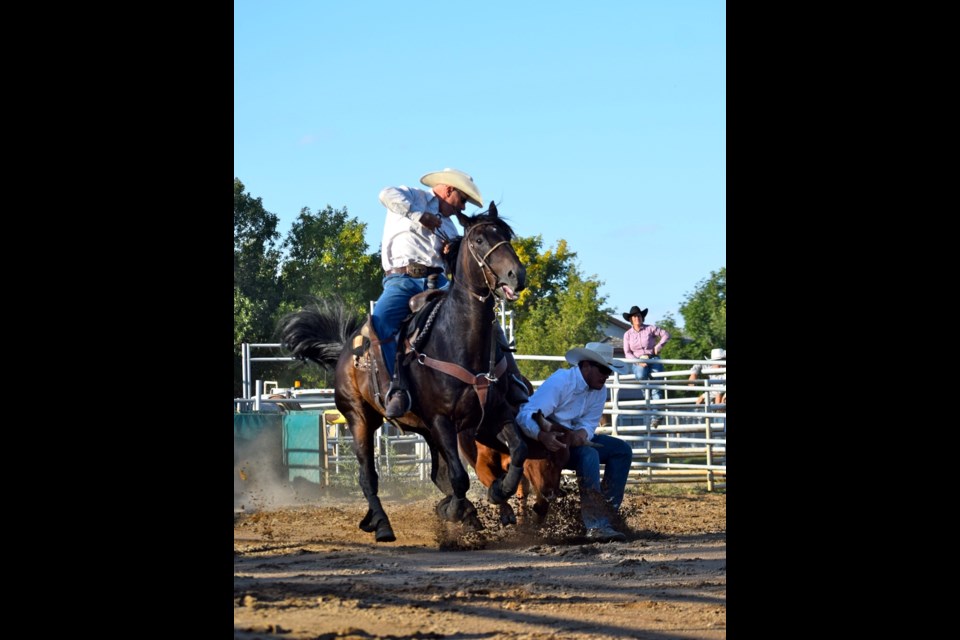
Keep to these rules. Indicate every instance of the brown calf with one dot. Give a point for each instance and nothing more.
(541, 472)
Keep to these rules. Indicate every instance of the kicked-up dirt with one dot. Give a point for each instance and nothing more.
(308, 571)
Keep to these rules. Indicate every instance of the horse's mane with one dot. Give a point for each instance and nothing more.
(499, 221)
(450, 258)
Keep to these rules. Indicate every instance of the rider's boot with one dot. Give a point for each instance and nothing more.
(517, 390)
(397, 398)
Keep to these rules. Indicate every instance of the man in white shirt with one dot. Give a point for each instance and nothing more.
(418, 226)
(574, 398)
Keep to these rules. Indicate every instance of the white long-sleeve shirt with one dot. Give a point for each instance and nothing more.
(405, 240)
(566, 398)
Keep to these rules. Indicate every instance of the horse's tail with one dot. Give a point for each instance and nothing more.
(318, 332)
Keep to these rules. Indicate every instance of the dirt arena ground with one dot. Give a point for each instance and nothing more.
(307, 571)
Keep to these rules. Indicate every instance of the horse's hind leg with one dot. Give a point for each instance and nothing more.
(363, 432)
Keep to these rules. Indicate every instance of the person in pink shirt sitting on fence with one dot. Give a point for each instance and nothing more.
(644, 341)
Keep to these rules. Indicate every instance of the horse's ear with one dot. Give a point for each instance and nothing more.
(493, 209)
(465, 220)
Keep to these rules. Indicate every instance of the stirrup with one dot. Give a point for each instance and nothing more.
(399, 403)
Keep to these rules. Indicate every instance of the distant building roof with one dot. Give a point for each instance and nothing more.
(613, 330)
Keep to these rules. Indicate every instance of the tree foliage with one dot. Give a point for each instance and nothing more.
(704, 312)
(256, 260)
(548, 272)
(560, 308)
(326, 257)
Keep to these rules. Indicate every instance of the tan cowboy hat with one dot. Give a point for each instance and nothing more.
(635, 311)
(599, 352)
(457, 180)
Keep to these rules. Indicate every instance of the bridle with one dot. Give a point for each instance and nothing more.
(485, 268)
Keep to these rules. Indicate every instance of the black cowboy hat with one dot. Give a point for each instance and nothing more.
(635, 311)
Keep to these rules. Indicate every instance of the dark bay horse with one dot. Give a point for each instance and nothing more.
(456, 375)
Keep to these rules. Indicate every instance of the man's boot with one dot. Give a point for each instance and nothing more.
(397, 398)
(517, 390)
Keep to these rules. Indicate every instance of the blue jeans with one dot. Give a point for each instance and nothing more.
(391, 308)
(616, 456)
(643, 373)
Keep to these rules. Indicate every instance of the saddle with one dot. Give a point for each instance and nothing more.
(366, 349)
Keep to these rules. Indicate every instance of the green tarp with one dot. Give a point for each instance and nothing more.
(289, 444)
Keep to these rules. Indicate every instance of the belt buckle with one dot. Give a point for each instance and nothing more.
(416, 270)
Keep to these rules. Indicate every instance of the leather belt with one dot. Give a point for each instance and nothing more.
(415, 271)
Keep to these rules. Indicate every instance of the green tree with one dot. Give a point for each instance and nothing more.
(256, 257)
(560, 308)
(326, 258)
(548, 272)
(704, 311)
(256, 261)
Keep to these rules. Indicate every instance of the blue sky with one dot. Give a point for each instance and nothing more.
(602, 124)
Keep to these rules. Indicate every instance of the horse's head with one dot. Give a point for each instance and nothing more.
(486, 262)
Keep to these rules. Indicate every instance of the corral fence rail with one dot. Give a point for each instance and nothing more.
(687, 446)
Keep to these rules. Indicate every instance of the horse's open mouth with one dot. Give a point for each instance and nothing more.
(508, 293)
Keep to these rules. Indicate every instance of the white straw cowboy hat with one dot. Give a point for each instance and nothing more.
(718, 354)
(457, 180)
(599, 352)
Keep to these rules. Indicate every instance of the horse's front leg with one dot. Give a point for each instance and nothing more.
(376, 518)
(506, 485)
(455, 507)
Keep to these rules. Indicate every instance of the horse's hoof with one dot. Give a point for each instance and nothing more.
(367, 523)
(472, 523)
(459, 510)
(441, 508)
(495, 492)
(385, 533)
(541, 509)
(379, 524)
(507, 515)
